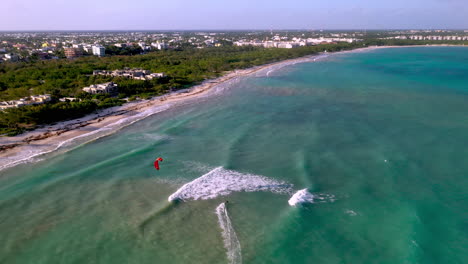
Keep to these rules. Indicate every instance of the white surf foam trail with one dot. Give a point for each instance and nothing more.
(231, 242)
(304, 197)
(219, 182)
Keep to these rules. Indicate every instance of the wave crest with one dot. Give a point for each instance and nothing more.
(300, 197)
(221, 182)
(304, 197)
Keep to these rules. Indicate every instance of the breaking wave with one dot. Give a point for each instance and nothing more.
(305, 197)
(300, 197)
(231, 242)
(220, 182)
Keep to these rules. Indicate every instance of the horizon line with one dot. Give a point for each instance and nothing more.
(253, 29)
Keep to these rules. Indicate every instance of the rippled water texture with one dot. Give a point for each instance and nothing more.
(373, 146)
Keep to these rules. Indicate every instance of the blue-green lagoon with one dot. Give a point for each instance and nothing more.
(358, 157)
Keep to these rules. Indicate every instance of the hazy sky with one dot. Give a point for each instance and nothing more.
(231, 14)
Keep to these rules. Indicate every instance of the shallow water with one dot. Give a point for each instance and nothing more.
(378, 138)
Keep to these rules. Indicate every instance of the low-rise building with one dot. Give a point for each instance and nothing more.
(137, 74)
(270, 44)
(103, 88)
(32, 100)
(69, 99)
(155, 75)
(287, 45)
(11, 104)
(40, 99)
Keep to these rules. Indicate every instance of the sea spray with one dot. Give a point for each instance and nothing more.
(300, 197)
(220, 182)
(305, 197)
(231, 242)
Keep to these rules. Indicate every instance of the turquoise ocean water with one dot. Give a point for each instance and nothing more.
(379, 140)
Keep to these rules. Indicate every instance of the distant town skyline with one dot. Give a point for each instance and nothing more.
(233, 15)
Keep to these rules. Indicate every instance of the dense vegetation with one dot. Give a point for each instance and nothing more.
(184, 68)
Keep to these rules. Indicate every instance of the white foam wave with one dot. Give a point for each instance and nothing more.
(219, 182)
(351, 212)
(300, 197)
(305, 197)
(231, 242)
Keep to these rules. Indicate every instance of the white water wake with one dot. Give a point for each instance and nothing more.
(220, 182)
(231, 242)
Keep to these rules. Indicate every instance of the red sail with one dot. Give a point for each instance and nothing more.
(156, 163)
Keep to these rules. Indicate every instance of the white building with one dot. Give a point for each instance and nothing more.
(137, 74)
(99, 50)
(322, 40)
(11, 57)
(287, 45)
(102, 88)
(32, 100)
(40, 99)
(270, 44)
(159, 45)
(143, 46)
(255, 43)
(78, 46)
(69, 99)
(155, 75)
(12, 104)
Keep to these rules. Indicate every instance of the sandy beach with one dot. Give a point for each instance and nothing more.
(24, 147)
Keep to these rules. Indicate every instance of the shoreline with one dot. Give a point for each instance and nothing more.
(23, 148)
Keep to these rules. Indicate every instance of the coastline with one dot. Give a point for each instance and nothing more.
(27, 146)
